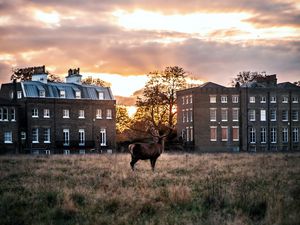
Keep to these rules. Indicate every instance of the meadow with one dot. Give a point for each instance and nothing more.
(185, 189)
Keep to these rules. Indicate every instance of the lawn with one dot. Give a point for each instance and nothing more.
(185, 189)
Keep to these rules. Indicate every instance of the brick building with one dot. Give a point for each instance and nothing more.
(45, 117)
(258, 116)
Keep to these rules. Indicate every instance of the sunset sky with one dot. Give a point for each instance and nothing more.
(121, 41)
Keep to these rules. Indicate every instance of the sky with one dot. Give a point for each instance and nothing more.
(121, 41)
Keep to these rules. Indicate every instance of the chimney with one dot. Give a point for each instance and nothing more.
(74, 76)
(39, 74)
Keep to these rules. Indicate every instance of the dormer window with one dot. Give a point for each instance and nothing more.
(19, 94)
(101, 95)
(78, 94)
(42, 94)
(62, 93)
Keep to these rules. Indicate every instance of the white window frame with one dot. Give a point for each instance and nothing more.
(226, 133)
(285, 99)
(238, 134)
(263, 115)
(295, 115)
(273, 135)
(101, 95)
(235, 99)
(98, 113)
(224, 99)
(224, 114)
(1, 114)
(183, 116)
(295, 135)
(42, 93)
(47, 152)
(216, 133)
(235, 114)
(252, 135)
(13, 114)
(35, 135)
(213, 114)
(183, 101)
(192, 134)
(23, 135)
(102, 137)
(285, 115)
(295, 99)
(66, 113)
(191, 99)
(62, 94)
(47, 135)
(263, 135)
(273, 99)
(187, 99)
(81, 114)
(19, 94)
(5, 114)
(108, 114)
(252, 99)
(212, 99)
(187, 134)
(81, 151)
(274, 113)
(263, 99)
(46, 113)
(285, 135)
(81, 133)
(78, 94)
(8, 137)
(187, 115)
(35, 113)
(66, 137)
(191, 115)
(252, 114)
(66, 152)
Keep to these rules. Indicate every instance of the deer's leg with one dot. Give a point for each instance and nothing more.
(153, 161)
(133, 161)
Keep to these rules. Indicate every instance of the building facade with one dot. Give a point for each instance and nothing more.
(258, 116)
(45, 117)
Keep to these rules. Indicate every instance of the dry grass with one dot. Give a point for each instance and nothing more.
(184, 189)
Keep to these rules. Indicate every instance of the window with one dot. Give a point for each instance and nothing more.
(285, 135)
(81, 137)
(19, 94)
(183, 116)
(186, 99)
(47, 152)
(66, 113)
(23, 135)
(66, 152)
(295, 99)
(1, 114)
(213, 133)
(252, 99)
(273, 99)
(81, 114)
(273, 135)
(224, 133)
(42, 94)
(46, 113)
(66, 137)
(47, 135)
(35, 135)
(8, 137)
(82, 151)
(98, 114)
(13, 114)
(108, 114)
(191, 99)
(285, 115)
(252, 135)
(187, 115)
(263, 135)
(235, 114)
(213, 114)
(183, 100)
(263, 99)
(251, 114)
(235, 98)
(101, 95)
(187, 134)
(285, 99)
(77, 94)
(212, 99)
(223, 99)
(192, 135)
(295, 135)
(263, 116)
(35, 113)
(295, 115)
(62, 93)
(191, 115)
(5, 114)
(273, 115)
(103, 137)
(235, 133)
(224, 114)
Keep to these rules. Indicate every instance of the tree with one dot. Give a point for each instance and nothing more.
(297, 83)
(54, 78)
(95, 81)
(123, 120)
(158, 103)
(246, 76)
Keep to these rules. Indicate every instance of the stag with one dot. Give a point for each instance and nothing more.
(146, 151)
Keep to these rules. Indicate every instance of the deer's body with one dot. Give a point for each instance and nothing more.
(145, 151)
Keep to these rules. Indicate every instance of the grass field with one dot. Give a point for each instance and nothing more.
(184, 189)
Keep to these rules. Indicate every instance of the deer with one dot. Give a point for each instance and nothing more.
(145, 151)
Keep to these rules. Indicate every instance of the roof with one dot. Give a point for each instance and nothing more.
(210, 85)
(287, 85)
(52, 90)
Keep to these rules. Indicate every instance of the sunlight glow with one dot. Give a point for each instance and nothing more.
(51, 19)
(131, 110)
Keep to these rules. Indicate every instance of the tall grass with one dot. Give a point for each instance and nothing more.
(184, 189)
